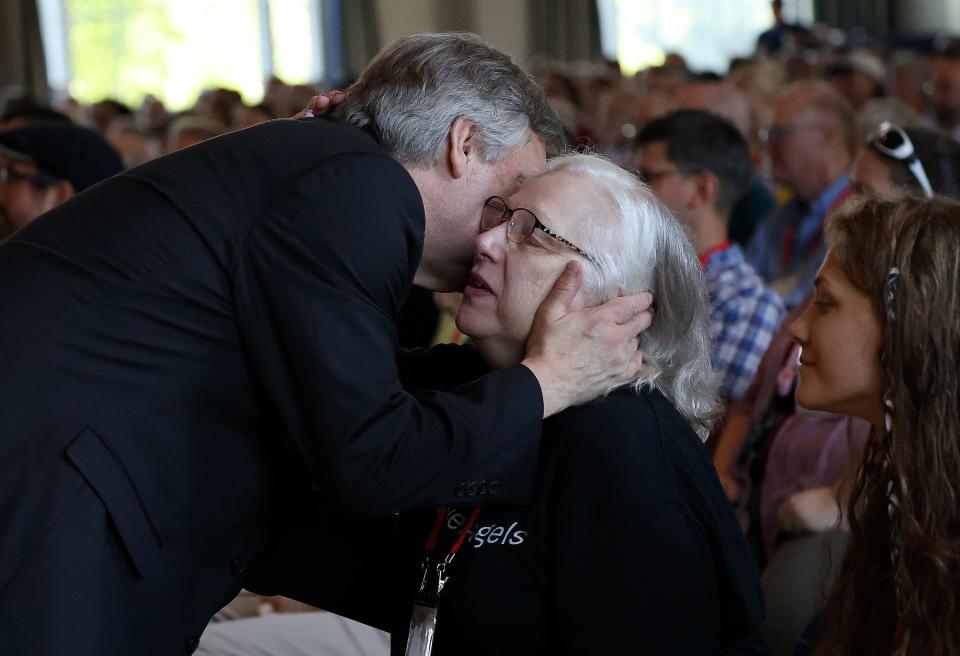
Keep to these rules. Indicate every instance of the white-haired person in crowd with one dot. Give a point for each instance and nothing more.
(629, 544)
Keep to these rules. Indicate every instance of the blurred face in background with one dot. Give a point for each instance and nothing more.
(672, 187)
(797, 145)
(945, 96)
(22, 197)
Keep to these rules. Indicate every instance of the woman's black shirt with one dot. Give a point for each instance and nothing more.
(629, 546)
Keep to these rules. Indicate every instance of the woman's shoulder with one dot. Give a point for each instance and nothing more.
(641, 418)
(628, 438)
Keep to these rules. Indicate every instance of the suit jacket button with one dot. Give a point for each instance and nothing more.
(238, 566)
(192, 645)
(471, 488)
(462, 490)
(482, 489)
(494, 487)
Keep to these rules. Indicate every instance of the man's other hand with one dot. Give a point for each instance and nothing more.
(319, 105)
(579, 355)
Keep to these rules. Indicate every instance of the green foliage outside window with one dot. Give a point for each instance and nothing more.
(173, 49)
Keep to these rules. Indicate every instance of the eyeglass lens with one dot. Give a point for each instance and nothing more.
(494, 212)
(521, 225)
(521, 221)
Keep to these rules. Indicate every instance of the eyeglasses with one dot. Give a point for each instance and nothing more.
(522, 223)
(892, 141)
(10, 174)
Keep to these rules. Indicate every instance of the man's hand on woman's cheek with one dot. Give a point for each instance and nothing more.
(579, 355)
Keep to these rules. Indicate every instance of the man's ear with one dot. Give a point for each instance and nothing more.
(463, 146)
(706, 189)
(60, 192)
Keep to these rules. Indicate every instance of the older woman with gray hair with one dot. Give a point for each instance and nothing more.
(629, 545)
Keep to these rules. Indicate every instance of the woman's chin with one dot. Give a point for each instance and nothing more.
(809, 399)
(474, 324)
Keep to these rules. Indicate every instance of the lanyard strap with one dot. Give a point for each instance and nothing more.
(461, 536)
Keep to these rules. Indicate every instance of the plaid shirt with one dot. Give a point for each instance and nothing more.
(744, 315)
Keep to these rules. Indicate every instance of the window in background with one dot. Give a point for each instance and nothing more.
(707, 33)
(296, 40)
(173, 49)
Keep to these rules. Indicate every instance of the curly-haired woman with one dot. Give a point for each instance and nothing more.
(882, 341)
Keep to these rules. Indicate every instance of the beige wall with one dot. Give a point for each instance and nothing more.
(505, 23)
(930, 15)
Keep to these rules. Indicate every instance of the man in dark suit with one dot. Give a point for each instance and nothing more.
(193, 346)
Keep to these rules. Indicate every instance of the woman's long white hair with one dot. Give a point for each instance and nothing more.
(645, 247)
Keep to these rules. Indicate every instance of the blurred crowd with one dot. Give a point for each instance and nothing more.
(142, 133)
(751, 161)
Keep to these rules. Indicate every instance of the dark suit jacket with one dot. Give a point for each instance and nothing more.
(189, 345)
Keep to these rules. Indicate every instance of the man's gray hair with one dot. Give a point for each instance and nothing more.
(416, 87)
(645, 247)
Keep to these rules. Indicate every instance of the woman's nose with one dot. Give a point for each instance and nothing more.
(490, 243)
(799, 329)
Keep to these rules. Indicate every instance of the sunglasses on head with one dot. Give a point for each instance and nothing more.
(892, 140)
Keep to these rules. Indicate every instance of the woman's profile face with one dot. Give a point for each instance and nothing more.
(870, 175)
(509, 281)
(841, 340)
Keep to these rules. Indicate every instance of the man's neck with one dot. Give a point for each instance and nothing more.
(709, 232)
(830, 174)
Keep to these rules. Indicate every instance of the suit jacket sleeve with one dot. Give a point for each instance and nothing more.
(442, 367)
(317, 286)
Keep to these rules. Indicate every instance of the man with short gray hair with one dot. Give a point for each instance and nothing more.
(198, 356)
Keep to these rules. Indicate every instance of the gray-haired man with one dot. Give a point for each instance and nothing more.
(201, 349)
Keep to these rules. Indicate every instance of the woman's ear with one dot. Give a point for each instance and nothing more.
(462, 146)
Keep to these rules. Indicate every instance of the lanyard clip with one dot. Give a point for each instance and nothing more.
(441, 577)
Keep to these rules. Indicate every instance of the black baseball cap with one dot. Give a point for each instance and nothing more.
(68, 152)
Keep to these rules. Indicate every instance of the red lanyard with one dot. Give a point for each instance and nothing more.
(435, 576)
(438, 525)
(710, 252)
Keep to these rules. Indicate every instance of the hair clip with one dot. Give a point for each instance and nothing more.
(893, 279)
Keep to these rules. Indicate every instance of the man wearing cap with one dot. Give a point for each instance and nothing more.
(860, 77)
(42, 165)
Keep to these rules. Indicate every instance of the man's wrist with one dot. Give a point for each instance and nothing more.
(552, 398)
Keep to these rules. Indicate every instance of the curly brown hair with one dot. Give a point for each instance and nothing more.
(898, 590)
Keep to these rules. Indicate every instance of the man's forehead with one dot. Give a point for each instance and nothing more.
(654, 154)
(524, 167)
